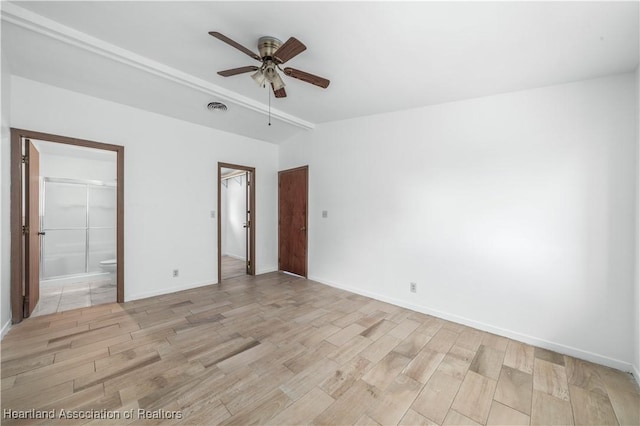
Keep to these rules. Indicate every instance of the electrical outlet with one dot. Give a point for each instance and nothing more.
(413, 287)
(212, 213)
(325, 214)
(175, 273)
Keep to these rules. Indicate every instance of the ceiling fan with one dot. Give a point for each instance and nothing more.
(273, 53)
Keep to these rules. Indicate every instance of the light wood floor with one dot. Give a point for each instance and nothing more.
(278, 349)
(232, 267)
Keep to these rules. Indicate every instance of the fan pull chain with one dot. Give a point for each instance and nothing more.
(269, 94)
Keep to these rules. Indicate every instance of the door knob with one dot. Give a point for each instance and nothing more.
(42, 233)
(304, 228)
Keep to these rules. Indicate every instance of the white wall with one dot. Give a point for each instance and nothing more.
(170, 183)
(234, 217)
(636, 339)
(513, 213)
(5, 180)
(61, 166)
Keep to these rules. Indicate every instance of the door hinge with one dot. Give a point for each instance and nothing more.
(25, 229)
(25, 159)
(25, 303)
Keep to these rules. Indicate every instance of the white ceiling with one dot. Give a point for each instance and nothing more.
(379, 56)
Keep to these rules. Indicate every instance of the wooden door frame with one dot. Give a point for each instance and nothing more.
(252, 215)
(17, 243)
(306, 218)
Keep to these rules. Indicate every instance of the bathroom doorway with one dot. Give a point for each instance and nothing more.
(69, 217)
(236, 221)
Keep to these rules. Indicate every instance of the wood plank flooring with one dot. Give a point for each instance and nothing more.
(232, 267)
(276, 349)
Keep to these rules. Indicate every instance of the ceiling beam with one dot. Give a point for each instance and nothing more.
(32, 21)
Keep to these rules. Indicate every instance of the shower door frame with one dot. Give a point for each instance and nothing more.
(43, 190)
(18, 262)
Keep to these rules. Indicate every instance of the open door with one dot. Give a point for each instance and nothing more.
(31, 230)
(292, 220)
(227, 171)
(248, 224)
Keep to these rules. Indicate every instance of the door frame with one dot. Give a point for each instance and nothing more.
(17, 240)
(252, 215)
(306, 220)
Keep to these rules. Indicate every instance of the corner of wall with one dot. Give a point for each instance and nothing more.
(636, 337)
(5, 329)
(5, 164)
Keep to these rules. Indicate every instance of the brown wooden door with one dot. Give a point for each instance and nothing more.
(292, 220)
(32, 237)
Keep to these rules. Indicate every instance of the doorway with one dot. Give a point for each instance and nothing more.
(63, 227)
(293, 188)
(236, 221)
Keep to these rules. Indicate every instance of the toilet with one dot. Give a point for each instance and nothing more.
(111, 267)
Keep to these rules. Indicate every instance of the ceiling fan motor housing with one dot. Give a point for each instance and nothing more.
(267, 46)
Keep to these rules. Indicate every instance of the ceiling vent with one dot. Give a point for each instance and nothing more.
(217, 106)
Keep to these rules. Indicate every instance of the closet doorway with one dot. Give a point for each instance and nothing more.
(236, 221)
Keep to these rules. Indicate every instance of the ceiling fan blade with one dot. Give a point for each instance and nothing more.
(309, 78)
(238, 46)
(280, 93)
(234, 71)
(292, 47)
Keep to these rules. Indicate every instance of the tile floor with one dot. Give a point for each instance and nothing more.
(62, 298)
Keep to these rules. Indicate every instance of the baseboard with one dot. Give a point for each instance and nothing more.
(636, 374)
(5, 329)
(235, 256)
(524, 338)
(163, 291)
(267, 270)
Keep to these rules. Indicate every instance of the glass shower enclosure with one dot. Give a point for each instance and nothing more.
(79, 225)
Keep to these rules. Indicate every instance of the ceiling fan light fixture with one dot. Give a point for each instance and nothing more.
(259, 78)
(277, 82)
